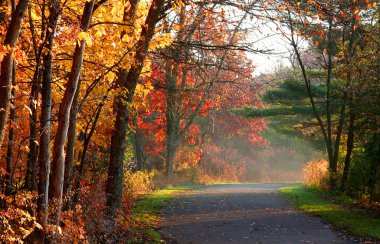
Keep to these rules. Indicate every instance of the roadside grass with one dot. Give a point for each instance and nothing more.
(356, 222)
(145, 212)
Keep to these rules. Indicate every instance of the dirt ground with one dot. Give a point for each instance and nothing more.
(241, 213)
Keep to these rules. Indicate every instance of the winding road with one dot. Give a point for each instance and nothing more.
(241, 213)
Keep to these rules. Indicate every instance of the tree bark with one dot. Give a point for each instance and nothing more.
(127, 80)
(139, 147)
(350, 146)
(33, 100)
(70, 149)
(58, 166)
(172, 116)
(12, 117)
(46, 99)
(7, 62)
(30, 177)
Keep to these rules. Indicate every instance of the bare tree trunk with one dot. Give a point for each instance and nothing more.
(172, 114)
(70, 149)
(33, 100)
(7, 62)
(350, 146)
(46, 99)
(30, 177)
(12, 117)
(139, 147)
(58, 165)
(127, 80)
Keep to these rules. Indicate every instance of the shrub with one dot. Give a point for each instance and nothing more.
(138, 183)
(315, 173)
(17, 223)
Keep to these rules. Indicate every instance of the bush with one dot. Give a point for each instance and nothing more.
(17, 223)
(138, 183)
(315, 174)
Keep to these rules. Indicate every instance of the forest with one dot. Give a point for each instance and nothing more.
(103, 101)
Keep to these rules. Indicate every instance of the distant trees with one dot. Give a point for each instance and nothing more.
(341, 33)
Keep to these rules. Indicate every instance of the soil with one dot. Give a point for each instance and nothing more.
(241, 213)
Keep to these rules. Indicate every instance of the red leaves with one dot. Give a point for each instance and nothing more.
(82, 182)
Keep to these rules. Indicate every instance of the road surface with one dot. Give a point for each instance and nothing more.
(241, 213)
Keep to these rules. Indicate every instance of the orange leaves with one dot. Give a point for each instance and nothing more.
(320, 33)
(16, 223)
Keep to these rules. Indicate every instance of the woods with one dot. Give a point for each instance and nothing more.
(101, 97)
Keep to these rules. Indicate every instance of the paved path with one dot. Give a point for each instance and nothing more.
(245, 213)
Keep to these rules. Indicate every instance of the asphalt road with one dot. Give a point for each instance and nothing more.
(241, 213)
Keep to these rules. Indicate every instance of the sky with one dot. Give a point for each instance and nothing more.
(265, 38)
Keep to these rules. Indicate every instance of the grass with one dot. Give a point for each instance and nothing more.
(355, 221)
(145, 212)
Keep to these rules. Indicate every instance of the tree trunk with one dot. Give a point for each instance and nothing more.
(127, 80)
(58, 166)
(33, 100)
(46, 99)
(139, 148)
(30, 177)
(12, 117)
(70, 149)
(172, 120)
(350, 146)
(7, 62)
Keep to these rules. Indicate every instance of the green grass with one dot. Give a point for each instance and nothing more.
(355, 221)
(145, 212)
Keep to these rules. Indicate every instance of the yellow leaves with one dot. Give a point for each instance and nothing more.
(161, 41)
(115, 11)
(4, 50)
(146, 68)
(110, 77)
(85, 36)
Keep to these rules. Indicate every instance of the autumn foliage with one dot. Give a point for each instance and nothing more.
(98, 95)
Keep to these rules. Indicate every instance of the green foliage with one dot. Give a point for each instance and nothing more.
(364, 175)
(355, 221)
(292, 90)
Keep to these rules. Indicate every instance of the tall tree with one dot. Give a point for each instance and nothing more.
(46, 114)
(58, 164)
(128, 81)
(10, 40)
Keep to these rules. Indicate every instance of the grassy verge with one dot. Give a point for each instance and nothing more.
(145, 212)
(355, 221)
